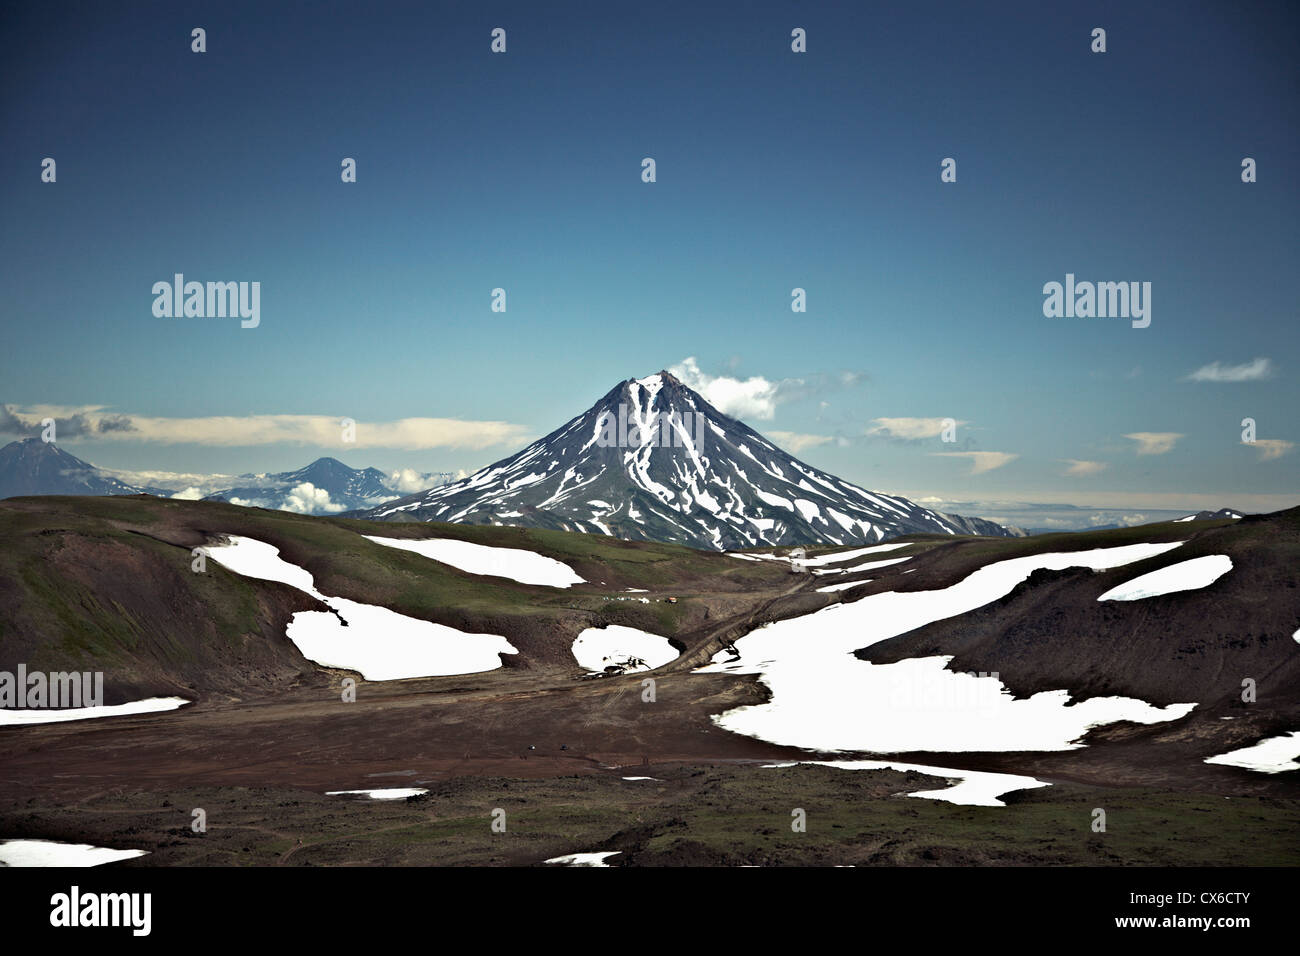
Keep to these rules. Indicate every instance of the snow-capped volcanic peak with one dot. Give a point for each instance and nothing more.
(652, 460)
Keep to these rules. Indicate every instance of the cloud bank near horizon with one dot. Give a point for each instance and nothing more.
(323, 431)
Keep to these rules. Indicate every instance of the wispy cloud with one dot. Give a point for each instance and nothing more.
(1259, 369)
(908, 429)
(757, 397)
(795, 442)
(250, 430)
(1079, 468)
(1155, 443)
(981, 461)
(1270, 448)
(192, 485)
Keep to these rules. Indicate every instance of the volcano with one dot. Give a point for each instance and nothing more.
(652, 460)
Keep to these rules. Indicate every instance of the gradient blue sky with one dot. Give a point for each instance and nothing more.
(775, 170)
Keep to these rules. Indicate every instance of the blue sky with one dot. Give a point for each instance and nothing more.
(775, 170)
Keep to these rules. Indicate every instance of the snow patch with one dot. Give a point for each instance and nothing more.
(1183, 576)
(1270, 755)
(50, 853)
(379, 643)
(823, 698)
(617, 646)
(151, 705)
(973, 788)
(526, 567)
(842, 586)
(385, 793)
(583, 859)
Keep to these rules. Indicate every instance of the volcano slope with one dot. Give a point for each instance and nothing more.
(107, 584)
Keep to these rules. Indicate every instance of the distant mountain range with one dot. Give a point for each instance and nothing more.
(1220, 515)
(326, 486)
(653, 460)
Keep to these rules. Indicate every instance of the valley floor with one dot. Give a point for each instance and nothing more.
(260, 772)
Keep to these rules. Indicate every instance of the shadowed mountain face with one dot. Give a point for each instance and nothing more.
(653, 460)
(35, 467)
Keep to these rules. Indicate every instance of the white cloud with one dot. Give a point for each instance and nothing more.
(1074, 522)
(981, 461)
(189, 494)
(1155, 443)
(408, 480)
(1131, 521)
(795, 442)
(1270, 448)
(909, 429)
(1259, 369)
(754, 397)
(1079, 468)
(318, 430)
(307, 499)
(177, 481)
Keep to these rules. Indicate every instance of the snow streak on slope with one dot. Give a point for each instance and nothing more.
(839, 557)
(526, 567)
(1183, 576)
(869, 566)
(653, 460)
